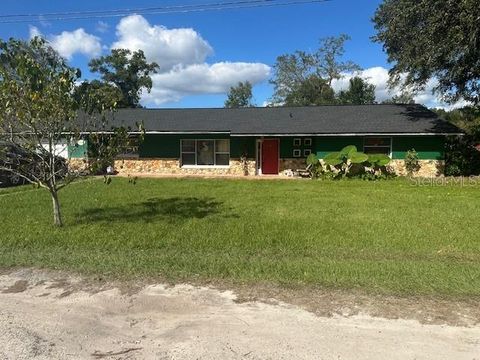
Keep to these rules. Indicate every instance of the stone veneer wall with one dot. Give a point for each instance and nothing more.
(78, 164)
(172, 167)
(292, 164)
(428, 168)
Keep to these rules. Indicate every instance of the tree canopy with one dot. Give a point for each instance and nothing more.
(129, 72)
(360, 92)
(240, 96)
(427, 39)
(296, 74)
(312, 91)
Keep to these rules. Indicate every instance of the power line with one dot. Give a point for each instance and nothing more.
(93, 12)
(219, 6)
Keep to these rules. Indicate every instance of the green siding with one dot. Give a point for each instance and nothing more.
(78, 151)
(287, 146)
(242, 145)
(326, 145)
(168, 146)
(427, 147)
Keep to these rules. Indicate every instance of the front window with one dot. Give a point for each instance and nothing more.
(204, 152)
(130, 148)
(377, 145)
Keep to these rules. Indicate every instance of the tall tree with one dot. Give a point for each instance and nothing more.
(293, 70)
(39, 116)
(327, 58)
(312, 91)
(129, 72)
(427, 39)
(360, 92)
(240, 96)
(97, 92)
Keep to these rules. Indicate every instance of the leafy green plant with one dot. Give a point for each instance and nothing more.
(376, 168)
(314, 166)
(412, 163)
(345, 159)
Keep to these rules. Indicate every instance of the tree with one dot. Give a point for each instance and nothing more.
(466, 118)
(99, 92)
(360, 92)
(39, 116)
(327, 57)
(240, 96)
(292, 70)
(431, 39)
(313, 91)
(129, 72)
(403, 98)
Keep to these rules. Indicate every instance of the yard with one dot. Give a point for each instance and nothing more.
(387, 237)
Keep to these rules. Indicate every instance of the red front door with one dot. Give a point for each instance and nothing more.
(270, 156)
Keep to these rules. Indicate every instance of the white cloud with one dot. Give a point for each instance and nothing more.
(69, 43)
(167, 47)
(378, 76)
(203, 79)
(102, 27)
(182, 56)
(34, 32)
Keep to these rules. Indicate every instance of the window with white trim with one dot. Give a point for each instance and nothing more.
(377, 145)
(205, 152)
(130, 148)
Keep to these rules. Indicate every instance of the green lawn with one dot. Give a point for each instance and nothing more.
(384, 237)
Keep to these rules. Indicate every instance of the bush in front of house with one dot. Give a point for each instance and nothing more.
(349, 163)
(412, 162)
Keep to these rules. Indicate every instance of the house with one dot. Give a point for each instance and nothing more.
(268, 141)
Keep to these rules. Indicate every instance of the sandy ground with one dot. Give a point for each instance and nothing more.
(45, 315)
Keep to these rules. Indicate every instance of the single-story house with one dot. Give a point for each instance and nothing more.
(270, 140)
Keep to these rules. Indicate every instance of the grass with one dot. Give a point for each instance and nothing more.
(384, 237)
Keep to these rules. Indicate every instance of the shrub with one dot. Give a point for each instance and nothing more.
(352, 163)
(345, 159)
(461, 157)
(412, 163)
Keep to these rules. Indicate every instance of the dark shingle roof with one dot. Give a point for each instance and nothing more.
(322, 120)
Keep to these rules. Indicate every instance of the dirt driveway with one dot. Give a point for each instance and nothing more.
(47, 316)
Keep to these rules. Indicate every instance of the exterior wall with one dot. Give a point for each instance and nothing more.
(292, 164)
(78, 151)
(430, 149)
(160, 154)
(287, 146)
(428, 168)
(168, 146)
(327, 144)
(427, 147)
(79, 165)
(172, 167)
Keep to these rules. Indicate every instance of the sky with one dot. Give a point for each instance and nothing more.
(202, 54)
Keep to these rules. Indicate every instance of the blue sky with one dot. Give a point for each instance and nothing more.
(222, 47)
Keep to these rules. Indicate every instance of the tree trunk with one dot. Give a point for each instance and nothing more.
(57, 216)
